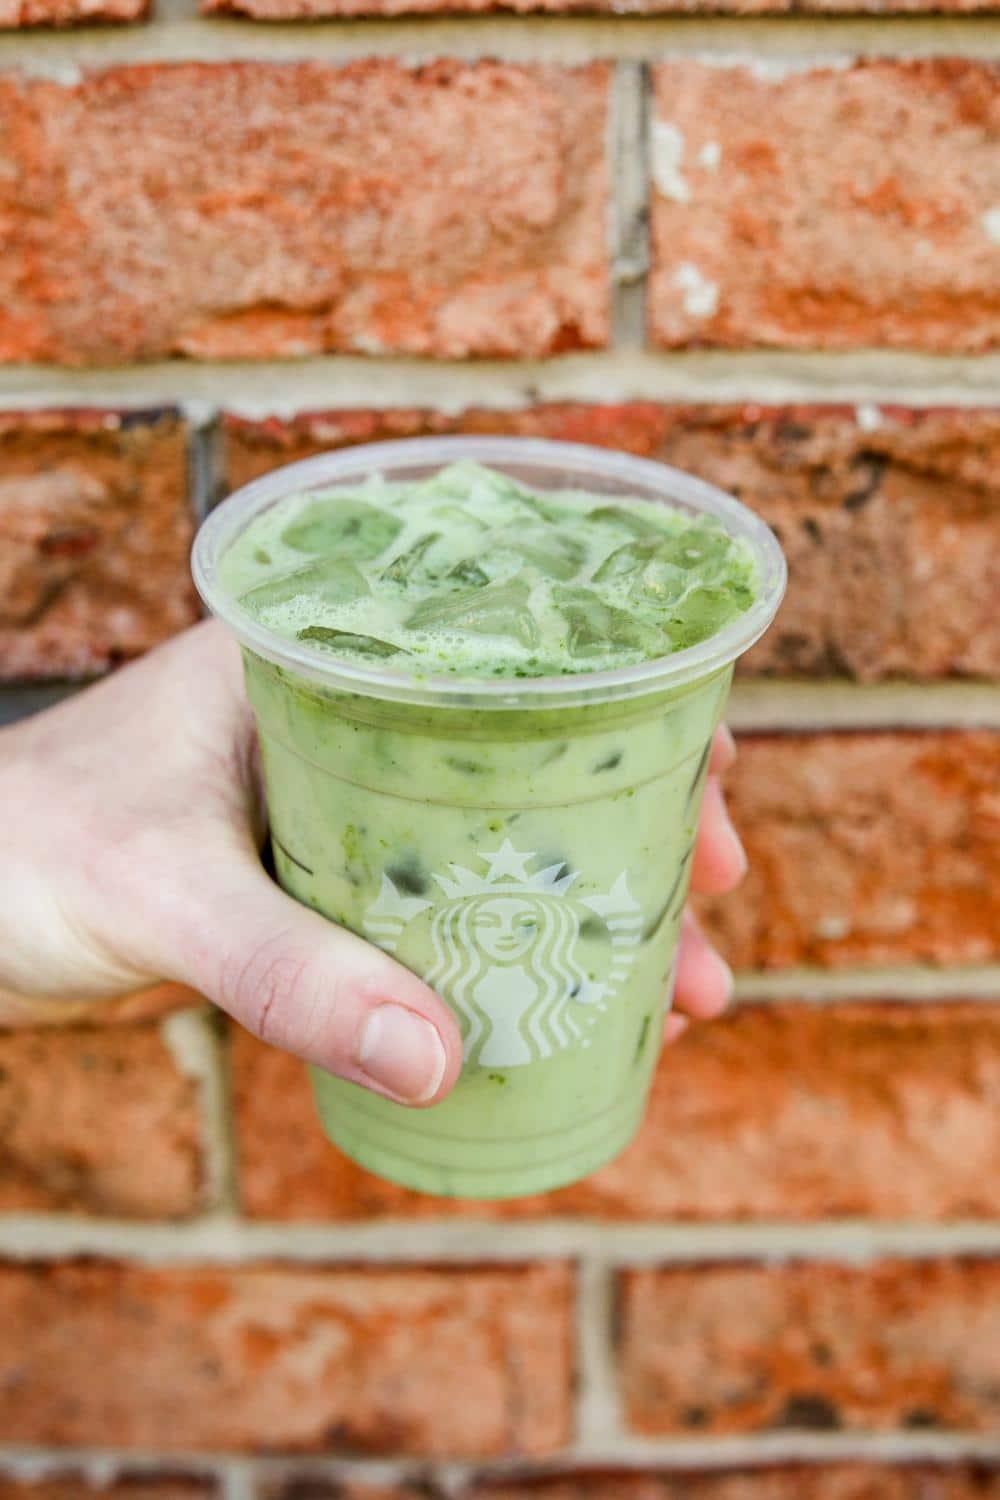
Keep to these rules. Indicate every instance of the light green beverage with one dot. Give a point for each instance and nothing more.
(486, 675)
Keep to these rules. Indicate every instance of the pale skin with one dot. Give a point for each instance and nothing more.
(134, 819)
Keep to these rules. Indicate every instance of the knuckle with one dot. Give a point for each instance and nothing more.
(270, 991)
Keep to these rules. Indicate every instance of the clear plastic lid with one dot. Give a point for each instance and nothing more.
(545, 466)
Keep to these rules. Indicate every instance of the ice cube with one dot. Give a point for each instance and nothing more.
(629, 520)
(333, 580)
(470, 485)
(501, 609)
(537, 507)
(648, 568)
(467, 574)
(456, 517)
(409, 566)
(704, 610)
(553, 554)
(598, 629)
(626, 562)
(659, 581)
(348, 528)
(703, 546)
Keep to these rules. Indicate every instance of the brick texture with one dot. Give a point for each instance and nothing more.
(445, 210)
(95, 530)
(316, 1487)
(73, 1486)
(748, 1348)
(455, 210)
(757, 1116)
(423, 1361)
(125, 1138)
(294, 10)
(852, 1481)
(902, 515)
(864, 848)
(18, 13)
(829, 208)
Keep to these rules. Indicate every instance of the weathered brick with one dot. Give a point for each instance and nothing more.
(450, 209)
(756, 1116)
(888, 528)
(95, 530)
(296, 10)
(419, 1361)
(827, 208)
(864, 848)
(125, 1138)
(18, 13)
(75, 1486)
(316, 1487)
(851, 1481)
(746, 1348)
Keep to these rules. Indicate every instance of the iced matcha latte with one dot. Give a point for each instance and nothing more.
(486, 675)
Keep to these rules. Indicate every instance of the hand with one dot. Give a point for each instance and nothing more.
(135, 814)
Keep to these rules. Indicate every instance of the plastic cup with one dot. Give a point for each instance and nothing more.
(522, 845)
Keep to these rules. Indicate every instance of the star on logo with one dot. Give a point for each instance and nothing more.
(507, 870)
(617, 902)
(391, 905)
(507, 861)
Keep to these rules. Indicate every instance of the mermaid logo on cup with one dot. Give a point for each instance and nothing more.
(505, 947)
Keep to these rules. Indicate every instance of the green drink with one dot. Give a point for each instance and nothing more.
(486, 674)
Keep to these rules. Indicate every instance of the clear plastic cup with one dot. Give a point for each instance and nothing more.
(524, 845)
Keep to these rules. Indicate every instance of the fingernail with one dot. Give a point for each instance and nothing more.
(737, 850)
(726, 979)
(673, 1027)
(403, 1053)
(726, 747)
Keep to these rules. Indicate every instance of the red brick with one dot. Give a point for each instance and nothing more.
(315, 1487)
(864, 848)
(95, 530)
(756, 1116)
(451, 209)
(125, 1138)
(463, 1362)
(295, 10)
(846, 208)
(903, 516)
(748, 1348)
(74, 1486)
(19, 13)
(852, 1481)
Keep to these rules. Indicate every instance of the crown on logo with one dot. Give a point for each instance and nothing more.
(507, 873)
(507, 870)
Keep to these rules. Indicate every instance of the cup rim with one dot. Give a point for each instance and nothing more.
(647, 478)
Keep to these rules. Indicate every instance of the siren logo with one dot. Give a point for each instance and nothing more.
(505, 948)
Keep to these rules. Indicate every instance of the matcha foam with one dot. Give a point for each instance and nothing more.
(472, 574)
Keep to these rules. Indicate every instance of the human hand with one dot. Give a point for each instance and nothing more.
(135, 817)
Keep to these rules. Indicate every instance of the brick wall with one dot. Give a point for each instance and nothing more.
(765, 247)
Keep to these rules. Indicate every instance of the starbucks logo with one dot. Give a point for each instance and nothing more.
(506, 952)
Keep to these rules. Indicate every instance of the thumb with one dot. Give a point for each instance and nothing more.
(301, 983)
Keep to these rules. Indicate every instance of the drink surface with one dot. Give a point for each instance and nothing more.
(471, 573)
